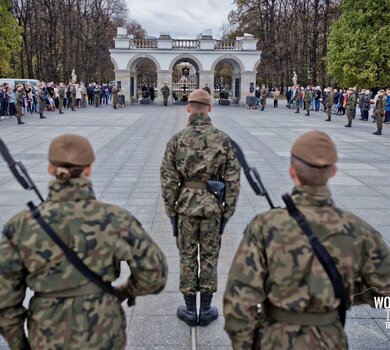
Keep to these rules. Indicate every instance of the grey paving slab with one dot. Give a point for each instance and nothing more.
(129, 146)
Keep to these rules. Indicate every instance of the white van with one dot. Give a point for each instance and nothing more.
(13, 82)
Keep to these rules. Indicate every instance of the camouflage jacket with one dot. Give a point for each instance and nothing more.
(19, 98)
(42, 96)
(351, 101)
(329, 100)
(61, 92)
(199, 152)
(165, 91)
(308, 95)
(102, 235)
(275, 262)
(380, 106)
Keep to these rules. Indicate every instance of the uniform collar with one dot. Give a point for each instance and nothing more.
(312, 196)
(198, 119)
(71, 190)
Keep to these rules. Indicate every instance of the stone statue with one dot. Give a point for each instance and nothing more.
(295, 79)
(74, 77)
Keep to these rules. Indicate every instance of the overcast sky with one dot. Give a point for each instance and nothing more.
(183, 19)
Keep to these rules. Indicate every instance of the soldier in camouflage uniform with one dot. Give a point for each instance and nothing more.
(19, 103)
(68, 311)
(263, 96)
(199, 153)
(115, 97)
(275, 266)
(61, 97)
(351, 104)
(165, 92)
(96, 95)
(329, 104)
(379, 111)
(42, 100)
(73, 90)
(307, 100)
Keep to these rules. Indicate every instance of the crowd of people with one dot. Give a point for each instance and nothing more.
(342, 102)
(24, 99)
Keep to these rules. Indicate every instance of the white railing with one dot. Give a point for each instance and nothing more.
(143, 44)
(228, 45)
(183, 44)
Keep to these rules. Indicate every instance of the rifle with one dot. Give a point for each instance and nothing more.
(19, 171)
(251, 174)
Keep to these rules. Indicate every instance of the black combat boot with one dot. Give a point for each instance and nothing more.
(20, 122)
(378, 132)
(328, 120)
(349, 125)
(187, 313)
(307, 114)
(207, 313)
(41, 116)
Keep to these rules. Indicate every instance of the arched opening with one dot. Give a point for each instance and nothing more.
(185, 79)
(227, 80)
(143, 80)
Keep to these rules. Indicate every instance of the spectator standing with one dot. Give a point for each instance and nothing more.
(387, 106)
(276, 97)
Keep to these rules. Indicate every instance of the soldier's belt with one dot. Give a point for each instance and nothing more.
(301, 318)
(85, 289)
(196, 185)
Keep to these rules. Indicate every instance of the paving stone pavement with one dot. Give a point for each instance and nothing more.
(129, 145)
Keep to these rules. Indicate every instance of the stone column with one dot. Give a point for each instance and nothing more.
(246, 78)
(162, 77)
(207, 77)
(123, 75)
(134, 98)
(234, 98)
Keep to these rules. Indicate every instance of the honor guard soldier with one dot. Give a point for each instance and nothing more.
(19, 103)
(42, 100)
(379, 111)
(263, 97)
(68, 309)
(165, 92)
(278, 283)
(307, 100)
(329, 103)
(200, 180)
(351, 104)
(61, 97)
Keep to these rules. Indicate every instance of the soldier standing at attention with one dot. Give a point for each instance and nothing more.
(96, 95)
(61, 97)
(193, 156)
(165, 92)
(296, 98)
(329, 104)
(68, 311)
(307, 100)
(263, 97)
(19, 103)
(379, 111)
(73, 91)
(351, 104)
(42, 100)
(275, 265)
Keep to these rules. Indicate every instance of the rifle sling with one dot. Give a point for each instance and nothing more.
(323, 257)
(70, 254)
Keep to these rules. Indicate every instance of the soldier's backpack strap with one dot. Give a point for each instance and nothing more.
(323, 257)
(70, 254)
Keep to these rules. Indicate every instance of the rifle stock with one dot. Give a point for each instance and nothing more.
(19, 170)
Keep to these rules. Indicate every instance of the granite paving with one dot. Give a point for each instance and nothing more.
(129, 145)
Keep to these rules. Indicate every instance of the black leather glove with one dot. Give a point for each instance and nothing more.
(174, 221)
(224, 221)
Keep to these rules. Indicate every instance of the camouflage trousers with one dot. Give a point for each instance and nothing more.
(94, 321)
(198, 236)
(19, 111)
(349, 115)
(379, 120)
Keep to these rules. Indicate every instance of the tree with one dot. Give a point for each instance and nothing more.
(359, 44)
(10, 37)
(292, 36)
